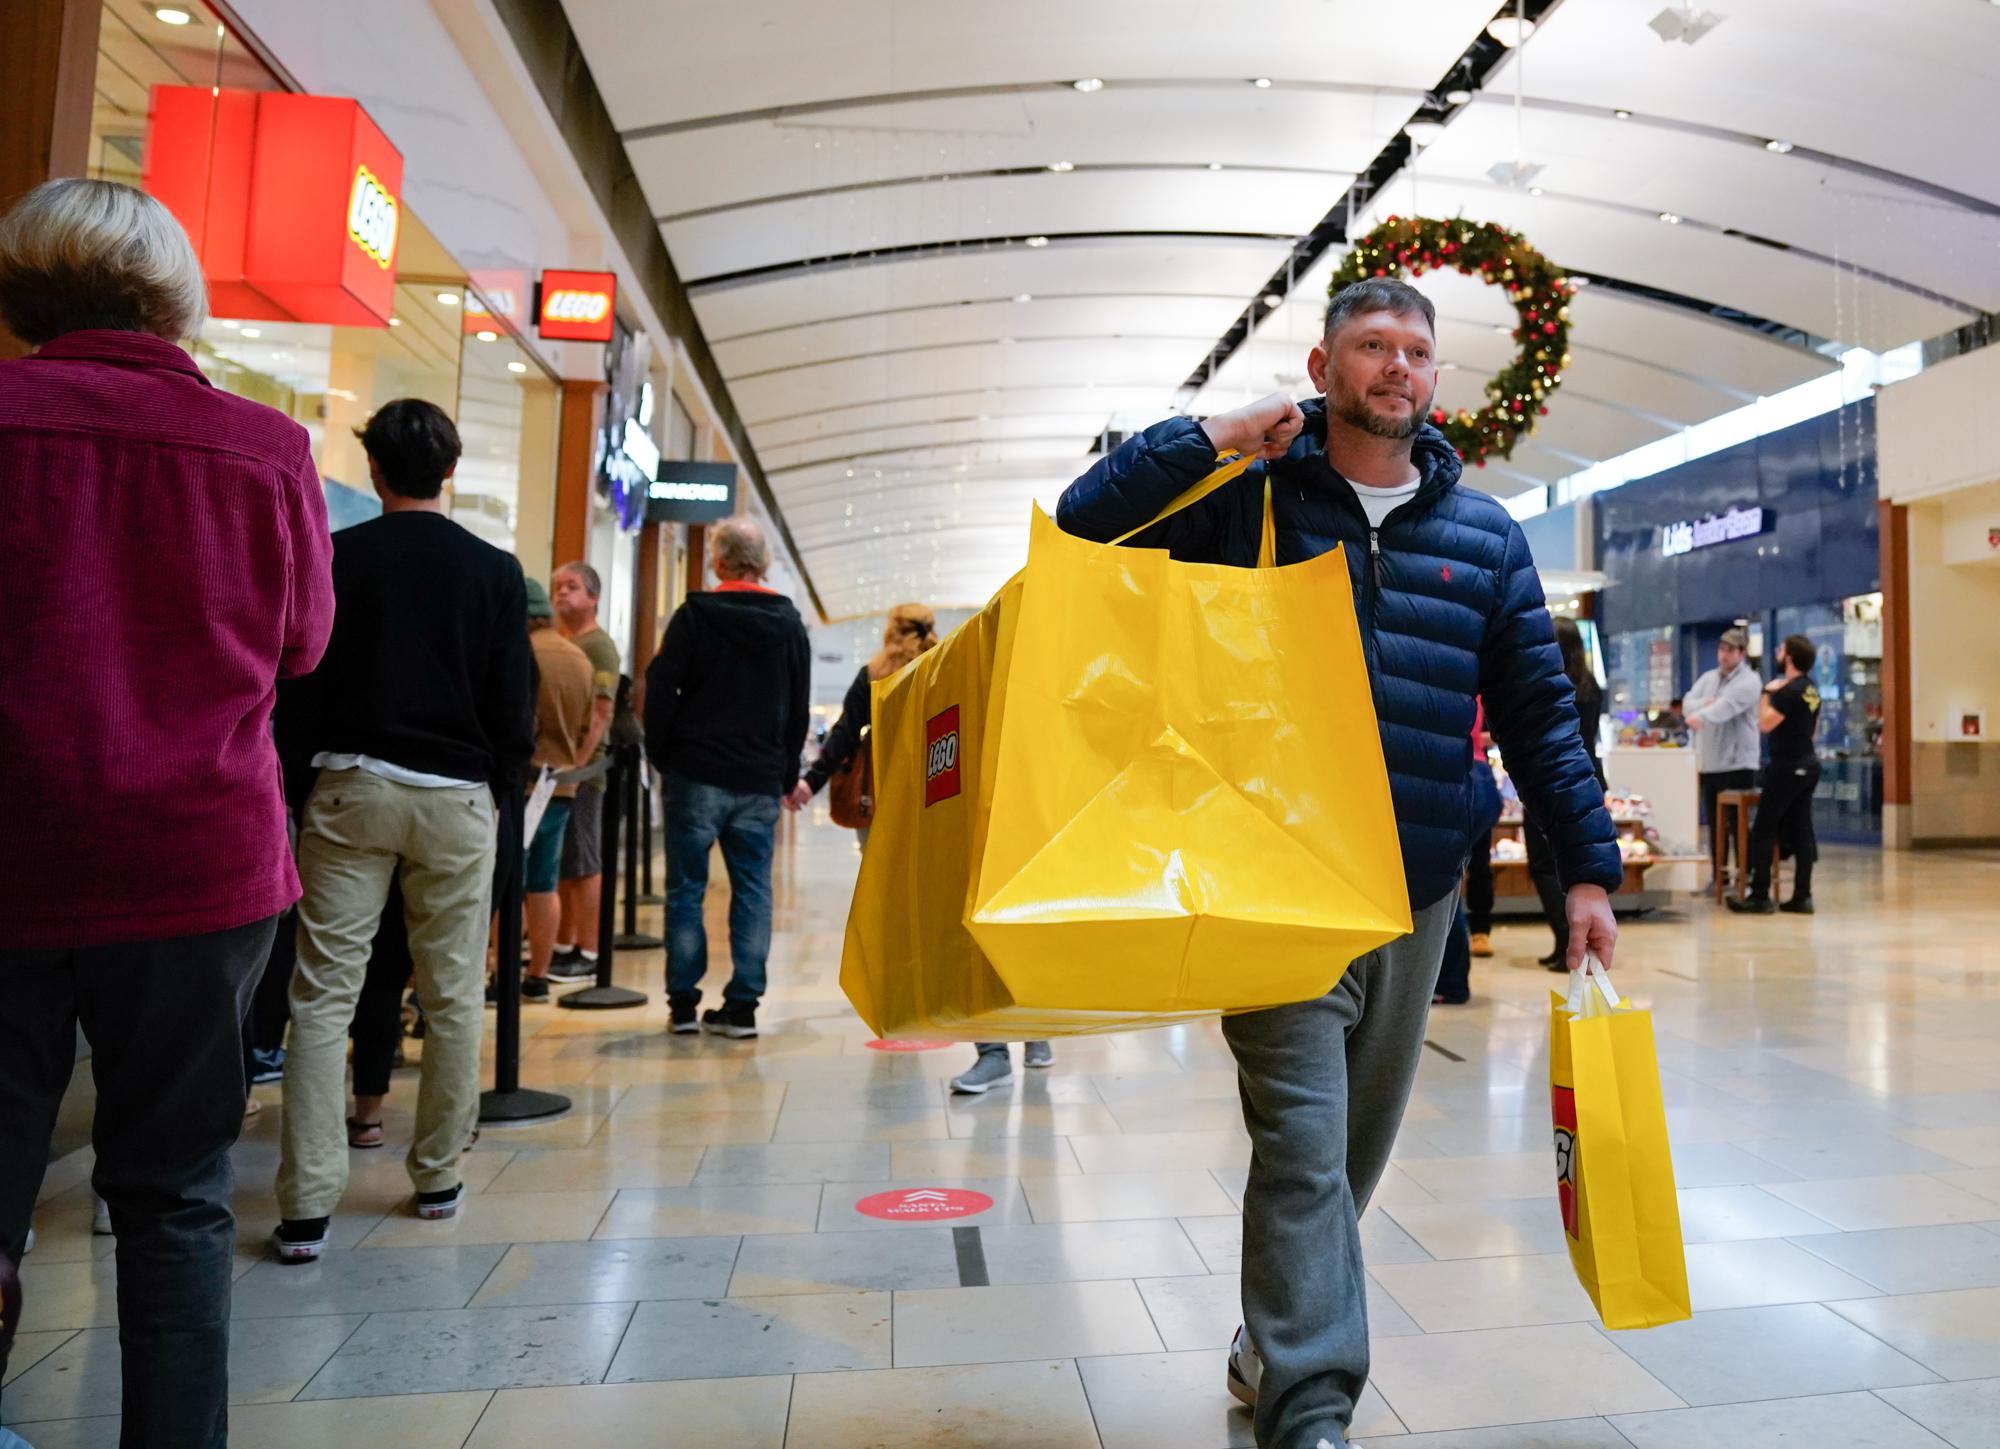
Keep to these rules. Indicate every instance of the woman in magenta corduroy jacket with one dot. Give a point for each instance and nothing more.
(163, 563)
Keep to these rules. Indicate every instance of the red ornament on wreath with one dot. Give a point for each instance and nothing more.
(1537, 288)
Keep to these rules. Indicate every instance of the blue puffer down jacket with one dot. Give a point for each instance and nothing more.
(1450, 608)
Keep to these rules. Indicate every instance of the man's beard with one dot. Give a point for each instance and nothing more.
(1353, 410)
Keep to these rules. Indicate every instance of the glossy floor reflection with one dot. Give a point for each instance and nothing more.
(680, 1258)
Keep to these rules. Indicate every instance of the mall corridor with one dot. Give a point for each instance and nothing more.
(681, 1260)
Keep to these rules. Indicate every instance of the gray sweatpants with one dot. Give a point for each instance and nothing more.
(1324, 1086)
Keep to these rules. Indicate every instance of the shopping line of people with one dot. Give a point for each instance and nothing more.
(149, 859)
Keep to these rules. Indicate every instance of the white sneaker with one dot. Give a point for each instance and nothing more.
(1246, 1370)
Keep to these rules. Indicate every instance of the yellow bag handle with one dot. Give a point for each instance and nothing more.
(1228, 466)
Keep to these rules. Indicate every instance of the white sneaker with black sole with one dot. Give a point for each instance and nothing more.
(299, 1240)
(1246, 1370)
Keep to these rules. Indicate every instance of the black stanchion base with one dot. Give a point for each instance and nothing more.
(652, 898)
(637, 941)
(602, 998)
(520, 1105)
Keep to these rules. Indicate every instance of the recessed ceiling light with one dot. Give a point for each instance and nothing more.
(1510, 31)
(1062, 166)
(1503, 331)
(1217, 165)
(1534, 191)
(1622, 114)
(1670, 218)
(1272, 299)
(1458, 98)
(1262, 82)
(1781, 148)
(1088, 84)
(1579, 281)
(232, 326)
(171, 15)
(251, 332)
(488, 336)
(517, 367)
(1024, 297)
(1424, 132)
(450, 299)
(1038, 241)
(395, 321)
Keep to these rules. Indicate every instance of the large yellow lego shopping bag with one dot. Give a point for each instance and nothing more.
(1131, 791)
(1614, 1168)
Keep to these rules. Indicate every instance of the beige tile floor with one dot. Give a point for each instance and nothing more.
(679, 1260)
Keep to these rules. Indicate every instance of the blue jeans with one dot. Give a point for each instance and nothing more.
(697, 817)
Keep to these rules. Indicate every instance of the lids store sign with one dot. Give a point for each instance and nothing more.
(291, 201)
(1737, 523)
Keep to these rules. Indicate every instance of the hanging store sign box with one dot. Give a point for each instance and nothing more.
(687, 492)
(576, 306)
(293, 202)
(1680, 538)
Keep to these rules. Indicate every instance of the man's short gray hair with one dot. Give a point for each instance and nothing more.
(587, 576)
(739, 543)
(1378, 294)
(77, 254)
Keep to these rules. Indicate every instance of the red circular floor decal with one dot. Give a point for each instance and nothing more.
(926, 1204)
(879, 1045)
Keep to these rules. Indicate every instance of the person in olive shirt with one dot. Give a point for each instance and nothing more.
(1789, 715)
(564, 722)
(576, 589)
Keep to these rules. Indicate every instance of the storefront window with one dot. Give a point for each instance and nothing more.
(137, 50)
(507, 422)
(1847, 669)
(1638, 681)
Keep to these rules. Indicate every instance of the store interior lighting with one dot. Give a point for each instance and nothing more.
(1784, 148)
(1510, 30)
(1088, 84)
(1062, 166)
(1684, 23)
(1423, 133)
(449, 299)
(171, 15)
(517, 367)
(1262, 82)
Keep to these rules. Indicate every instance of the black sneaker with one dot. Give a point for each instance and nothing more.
(682, 1016)
(1752, 905)
(534, 988)
(299, 1240)
(566, 956)
(731, 1019)
(441, 1204)
(575, 967)
(1798, 906)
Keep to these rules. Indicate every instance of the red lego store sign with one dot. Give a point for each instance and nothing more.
(293, 202)
(505, 289)
(576, 306)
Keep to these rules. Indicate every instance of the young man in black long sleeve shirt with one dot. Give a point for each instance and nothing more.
(420, 715)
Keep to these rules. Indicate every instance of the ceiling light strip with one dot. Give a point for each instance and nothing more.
(1469, 71)
(889, 183)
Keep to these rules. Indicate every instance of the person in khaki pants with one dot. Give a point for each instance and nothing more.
(419, 718)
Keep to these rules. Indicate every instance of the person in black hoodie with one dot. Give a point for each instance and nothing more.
(726, 702)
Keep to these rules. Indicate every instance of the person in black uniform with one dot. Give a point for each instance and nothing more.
(1789, 715)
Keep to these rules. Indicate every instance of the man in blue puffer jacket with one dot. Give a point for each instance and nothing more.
(1450, 608)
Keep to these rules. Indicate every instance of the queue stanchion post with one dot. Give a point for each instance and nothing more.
(604, 996)
(648, 799)
(632, 938)
(508, 1100)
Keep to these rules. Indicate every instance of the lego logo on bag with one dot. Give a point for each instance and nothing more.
(941, 777)
(371, 217)
(567, 306)
(1563, 1105)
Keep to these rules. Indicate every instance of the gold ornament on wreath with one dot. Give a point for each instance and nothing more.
(1518, 394)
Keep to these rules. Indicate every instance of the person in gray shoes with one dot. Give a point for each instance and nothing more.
(994, 1068)
(1449, 608)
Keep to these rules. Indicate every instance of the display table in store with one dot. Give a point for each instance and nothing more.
(1654, 803)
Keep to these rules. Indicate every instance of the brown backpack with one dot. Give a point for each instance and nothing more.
(851, 792)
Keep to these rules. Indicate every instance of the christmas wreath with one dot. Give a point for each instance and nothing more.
(1518, 393)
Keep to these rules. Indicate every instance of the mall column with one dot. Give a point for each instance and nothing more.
(48, 84)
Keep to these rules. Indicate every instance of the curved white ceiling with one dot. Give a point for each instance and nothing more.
(849, 192)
